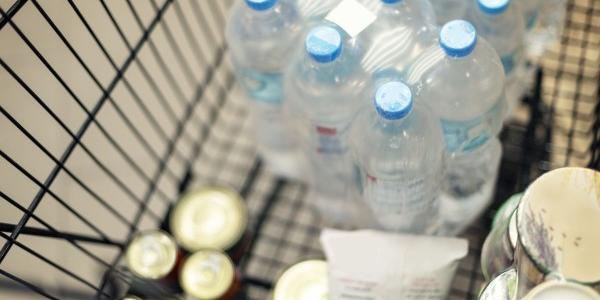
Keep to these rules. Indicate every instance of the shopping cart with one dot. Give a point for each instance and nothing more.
(111, 109)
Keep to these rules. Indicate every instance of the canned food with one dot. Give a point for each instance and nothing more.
(210, 275)
(151, 254)
(561, 290)
(506, 209)
(131, 298)
(306, 280)
(557, 224)
(498, 249)
(503, 287)
(211, 218)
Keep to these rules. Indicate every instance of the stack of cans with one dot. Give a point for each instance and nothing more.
(545, 244)
(208, 235)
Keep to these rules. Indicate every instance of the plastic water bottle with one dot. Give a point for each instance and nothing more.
(262, 36)
(402, 30)
(447, 10)
(324, 89)
(530, 10)
(502, 24)
(544, 21)
(314, 11)
(462, 80)
(398, 147)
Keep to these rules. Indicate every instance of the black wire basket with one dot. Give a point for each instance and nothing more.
(111, 109)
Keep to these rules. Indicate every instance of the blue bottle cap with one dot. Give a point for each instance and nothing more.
(393, 100)
(324, 44)
(391, 1)
(260, 4)
(493, 7)
(458, 38)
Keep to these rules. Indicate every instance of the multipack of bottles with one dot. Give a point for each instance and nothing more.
(390, 109)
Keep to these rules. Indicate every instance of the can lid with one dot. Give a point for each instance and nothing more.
(458, 38)
(260, 4)
(559, 290)
(207, 274)
(549, 235)
(306, 280)
(213, 217)
(503, 286)
(393, 100)
(513, 233)
(493, 7)
(506, 209)
(151, 254)
(129, 297)
(324, 44)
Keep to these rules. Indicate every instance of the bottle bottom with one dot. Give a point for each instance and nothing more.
(341, 210)
(469, 187)
(289, 163)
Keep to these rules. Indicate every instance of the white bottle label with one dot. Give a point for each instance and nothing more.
(351, 16)
(388, 196)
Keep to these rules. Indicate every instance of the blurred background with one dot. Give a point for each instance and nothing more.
(110, 108)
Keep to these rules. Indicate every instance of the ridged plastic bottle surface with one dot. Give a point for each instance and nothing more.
(324, 89)
(448, 10)
(402, 30)
(462, 80)
(502, 24)
(398, 151)
(544, 21)
(262, 36)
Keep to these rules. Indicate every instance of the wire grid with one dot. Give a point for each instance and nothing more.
(108, 104)
(173, 86)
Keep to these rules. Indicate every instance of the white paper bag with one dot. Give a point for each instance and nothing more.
(373, 265)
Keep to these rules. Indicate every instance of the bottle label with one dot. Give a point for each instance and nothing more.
(399, 197)
(351, 16)
(466, 136)
(509, 61)
(331, 140)
(532, 19)
(262, 86)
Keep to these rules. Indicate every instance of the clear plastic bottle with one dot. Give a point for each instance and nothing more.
(448, 10)
(502, 24)
(462, 80)
(262, 37)
(530, 10)
(398, 148)
(545, 20)
(402, 30)
(324, 89)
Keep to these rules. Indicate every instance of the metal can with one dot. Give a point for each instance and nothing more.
(503, 287)
(498, 249)
(213, 217)
(306, 280)
(506, 209)
(559, 290)
(130, 297)
(210, 275)
(557, 223)
(151, 254)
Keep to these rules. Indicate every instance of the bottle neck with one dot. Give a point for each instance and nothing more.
(394, 8)
(391, 125)
(267, 14)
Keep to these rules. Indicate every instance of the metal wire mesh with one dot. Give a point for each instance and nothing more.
(110, 109)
